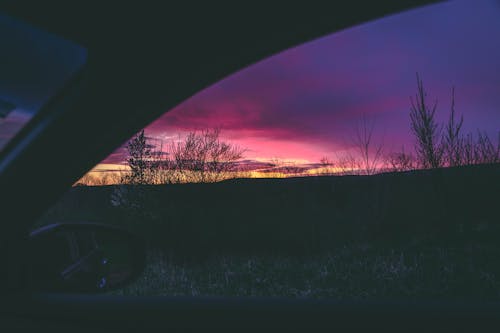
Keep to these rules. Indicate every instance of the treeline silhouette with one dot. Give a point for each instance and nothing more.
(436, 145)
(307, 214)
(204, 157)
(300, 215)
(424, 217)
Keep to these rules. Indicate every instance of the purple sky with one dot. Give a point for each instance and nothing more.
(304, 103)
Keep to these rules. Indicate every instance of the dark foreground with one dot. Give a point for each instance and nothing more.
(418, 235)
(351, 273)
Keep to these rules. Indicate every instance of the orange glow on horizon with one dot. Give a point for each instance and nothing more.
(112, 174)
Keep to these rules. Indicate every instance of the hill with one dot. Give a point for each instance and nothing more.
(298, 215)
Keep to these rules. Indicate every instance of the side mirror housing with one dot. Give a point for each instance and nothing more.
(84, 258)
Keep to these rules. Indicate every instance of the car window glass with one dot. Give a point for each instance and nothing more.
(34, 66)
(364, 164)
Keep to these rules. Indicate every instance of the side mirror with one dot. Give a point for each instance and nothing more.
(84, 257)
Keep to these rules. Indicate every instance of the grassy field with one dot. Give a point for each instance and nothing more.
(355, 272)
(429, 234)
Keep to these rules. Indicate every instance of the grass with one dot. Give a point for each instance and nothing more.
(428, 234)
(357, 272)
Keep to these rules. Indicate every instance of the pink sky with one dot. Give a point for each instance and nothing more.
(304, 103)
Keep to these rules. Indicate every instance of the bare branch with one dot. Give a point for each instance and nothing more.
(369, 155)
(426, 130)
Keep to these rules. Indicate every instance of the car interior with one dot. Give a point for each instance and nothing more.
(113, 68)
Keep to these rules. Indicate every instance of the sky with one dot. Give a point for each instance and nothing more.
(305, 103)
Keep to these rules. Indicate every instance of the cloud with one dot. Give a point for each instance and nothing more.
(305, 102)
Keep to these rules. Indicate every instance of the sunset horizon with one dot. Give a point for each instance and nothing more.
(305, 103)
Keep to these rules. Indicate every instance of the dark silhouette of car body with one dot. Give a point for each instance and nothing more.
(142, 60)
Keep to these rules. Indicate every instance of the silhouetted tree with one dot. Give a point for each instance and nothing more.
(426, 130)
(140, 154)
(452, 139)
(370, 154)
(204, 157)
(327, 166)
(485, 149)
(348, 164)
(400, 161)
(147, 162)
